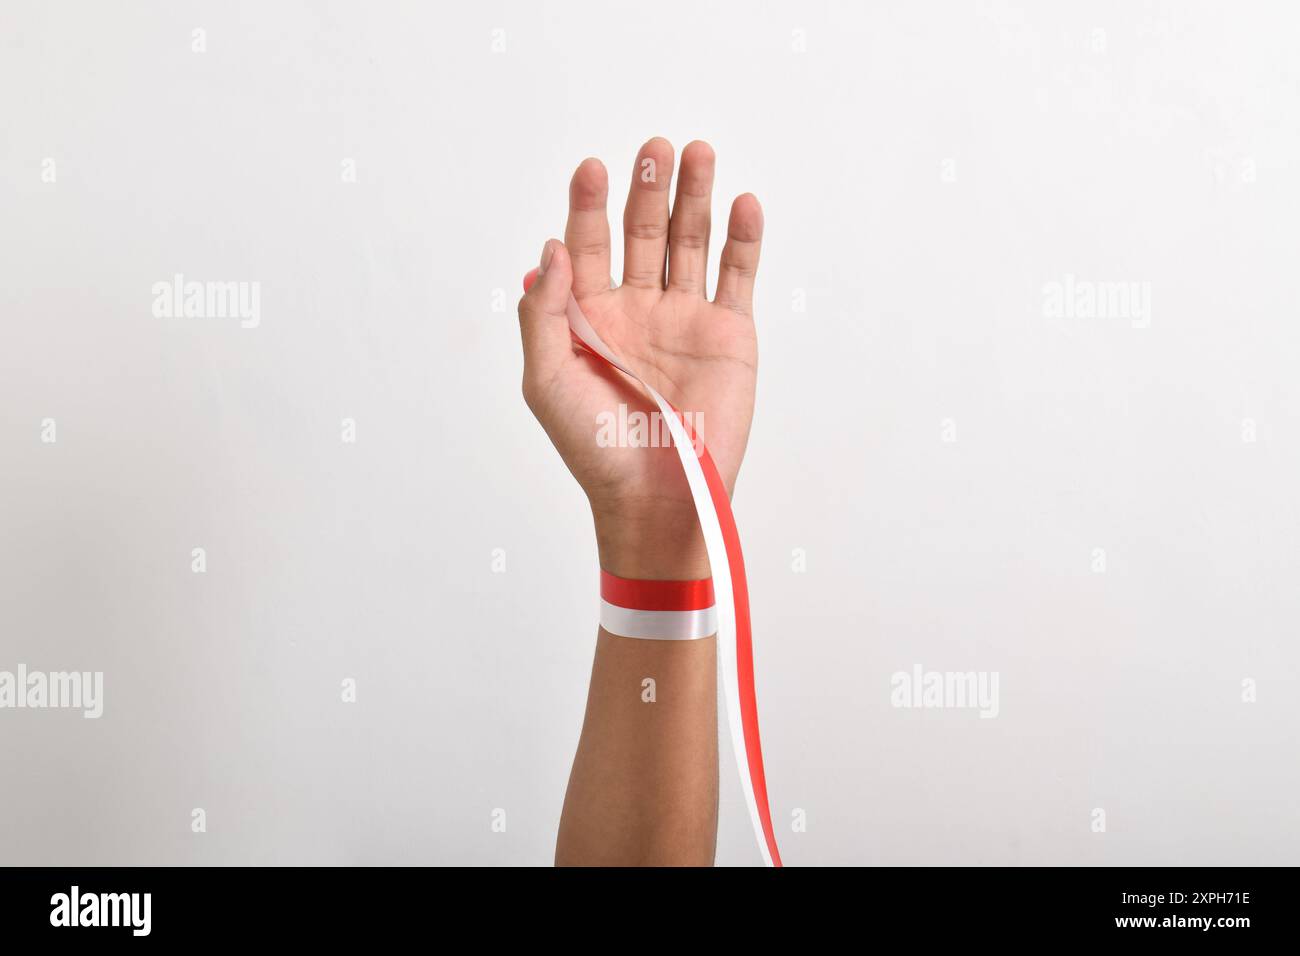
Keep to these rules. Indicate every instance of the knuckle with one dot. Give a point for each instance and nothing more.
(642, 278)
(589, 247)
(690, 240)
(647, 230)
(740, 270)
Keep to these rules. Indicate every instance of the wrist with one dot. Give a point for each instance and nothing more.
(656, 543)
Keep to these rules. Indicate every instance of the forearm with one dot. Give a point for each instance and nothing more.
(644, 785)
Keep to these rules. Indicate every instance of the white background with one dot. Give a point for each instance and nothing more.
(1161, 149)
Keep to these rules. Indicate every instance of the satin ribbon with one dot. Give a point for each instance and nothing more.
(658, 610)
(727, 563)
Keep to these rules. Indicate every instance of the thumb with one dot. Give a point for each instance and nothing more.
(542, 319)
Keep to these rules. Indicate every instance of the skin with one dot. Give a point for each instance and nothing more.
(644, 785)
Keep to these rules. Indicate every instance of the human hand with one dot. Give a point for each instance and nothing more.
(701, 355)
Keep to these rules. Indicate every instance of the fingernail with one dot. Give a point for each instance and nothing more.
(548, 253)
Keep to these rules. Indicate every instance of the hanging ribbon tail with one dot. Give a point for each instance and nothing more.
(727, 563)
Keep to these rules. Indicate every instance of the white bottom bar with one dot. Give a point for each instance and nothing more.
(659, 625)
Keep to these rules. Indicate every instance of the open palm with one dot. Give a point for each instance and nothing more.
(701, 355)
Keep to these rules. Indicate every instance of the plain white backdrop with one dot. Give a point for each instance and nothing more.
(947, 456)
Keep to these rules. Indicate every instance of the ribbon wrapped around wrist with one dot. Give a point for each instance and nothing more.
(657, 610)
(727, 563)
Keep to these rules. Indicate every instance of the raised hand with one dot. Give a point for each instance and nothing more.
(700, 354)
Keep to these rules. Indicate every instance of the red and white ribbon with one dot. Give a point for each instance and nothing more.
(657, 610)
(727, 563)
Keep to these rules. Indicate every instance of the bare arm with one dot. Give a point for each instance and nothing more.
(644, 785)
